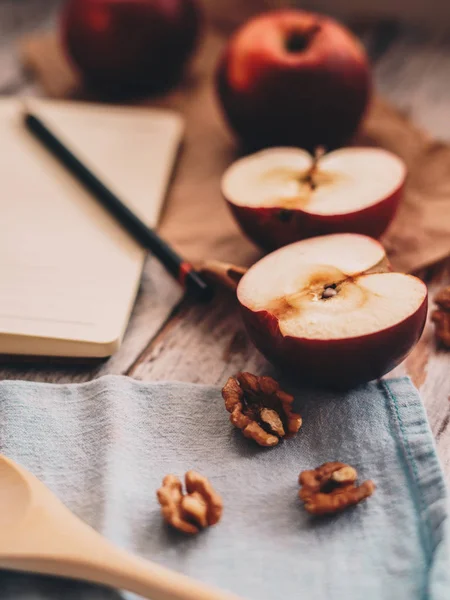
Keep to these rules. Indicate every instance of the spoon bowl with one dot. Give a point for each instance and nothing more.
(40, 535)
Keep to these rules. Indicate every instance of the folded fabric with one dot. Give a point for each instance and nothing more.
(104, 447)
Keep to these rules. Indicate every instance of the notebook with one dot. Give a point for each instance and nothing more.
(69, 273)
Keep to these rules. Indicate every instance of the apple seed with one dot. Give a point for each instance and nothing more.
(329, 291)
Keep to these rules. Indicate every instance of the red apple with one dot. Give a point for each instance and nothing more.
(282, 195)
(129, 45)
(290, 77)
(328, 310)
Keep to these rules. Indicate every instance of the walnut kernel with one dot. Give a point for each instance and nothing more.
(260, 408)
(199, 508)
(442, 298)
(331, 488)
(441, 316)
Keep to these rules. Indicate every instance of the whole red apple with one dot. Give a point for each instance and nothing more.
(290, 77)
(129, 45)
(329, 310)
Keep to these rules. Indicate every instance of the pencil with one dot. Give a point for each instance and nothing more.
(180, 269)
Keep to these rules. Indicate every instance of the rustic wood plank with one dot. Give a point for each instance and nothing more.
(16, 19)
(413, 74)
(201, 344)
(434, 374)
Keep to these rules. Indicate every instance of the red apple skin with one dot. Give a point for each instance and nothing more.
(339, 364)
(130, 45)
(271, 228)
(306, 98)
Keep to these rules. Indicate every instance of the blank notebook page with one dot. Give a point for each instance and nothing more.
(69, 273)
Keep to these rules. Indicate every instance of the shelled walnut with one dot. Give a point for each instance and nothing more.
(260, 408)
(199, 508)
(331, 488)
(441, 316)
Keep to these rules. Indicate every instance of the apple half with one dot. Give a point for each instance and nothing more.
(283, 195)
(329, 311)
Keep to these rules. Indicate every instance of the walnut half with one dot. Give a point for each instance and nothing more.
(441, 316)
(260, 408)
(199, 508)
(331, 488)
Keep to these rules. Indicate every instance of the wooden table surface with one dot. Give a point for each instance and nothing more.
(169, 338)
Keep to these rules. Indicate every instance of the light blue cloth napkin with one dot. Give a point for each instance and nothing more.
(104, 447)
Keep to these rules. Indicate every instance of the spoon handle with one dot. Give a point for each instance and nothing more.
(118, 569)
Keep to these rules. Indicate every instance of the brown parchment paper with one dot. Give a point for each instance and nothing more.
(196, 219)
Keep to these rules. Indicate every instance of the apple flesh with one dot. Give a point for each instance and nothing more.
(289, 77)
(283, 195)
(328, 310)
(127, 46)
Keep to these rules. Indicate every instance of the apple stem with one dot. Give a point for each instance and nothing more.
(310, 175)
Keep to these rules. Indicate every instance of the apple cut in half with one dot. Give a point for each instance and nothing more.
(283, 195)
(329, 310)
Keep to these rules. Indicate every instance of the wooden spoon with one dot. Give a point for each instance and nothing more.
(40, 535)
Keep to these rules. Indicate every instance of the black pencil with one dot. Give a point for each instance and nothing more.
(183, 271)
